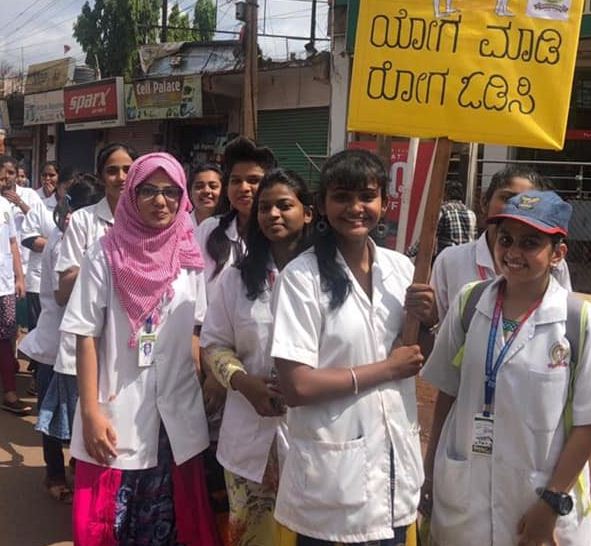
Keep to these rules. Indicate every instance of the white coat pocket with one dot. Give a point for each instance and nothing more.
(451, 483)
(546, 398)
(330, 474)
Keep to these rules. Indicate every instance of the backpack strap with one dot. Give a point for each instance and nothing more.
(577, 317)
(468, 302)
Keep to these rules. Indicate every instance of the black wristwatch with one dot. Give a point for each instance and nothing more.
(561, 503)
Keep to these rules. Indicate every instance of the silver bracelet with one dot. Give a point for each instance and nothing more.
(355, 382)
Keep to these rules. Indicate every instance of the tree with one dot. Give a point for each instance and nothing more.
(111, 31)
(204, 20)
(179, 26)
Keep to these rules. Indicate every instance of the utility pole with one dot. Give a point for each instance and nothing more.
(313, 24)
(164, 32)
(251, 71)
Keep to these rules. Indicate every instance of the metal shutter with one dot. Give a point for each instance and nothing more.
(281, 130)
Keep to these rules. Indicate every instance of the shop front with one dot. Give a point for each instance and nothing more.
(90, 111)
(168, 113)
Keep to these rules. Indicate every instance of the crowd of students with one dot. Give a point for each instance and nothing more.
(222, 354)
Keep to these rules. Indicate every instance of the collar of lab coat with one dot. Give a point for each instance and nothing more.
(552, 308)
(232, 230)
(381, 266)
(103, 211)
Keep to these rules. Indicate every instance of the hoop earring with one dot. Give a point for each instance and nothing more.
(321, 226)
(381, 230)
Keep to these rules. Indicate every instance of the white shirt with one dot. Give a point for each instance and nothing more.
(135, 399)
(335, 483)
(237, 248)
(29, 198)
(243, 325)
(459, 265)
(37, 223)
(86, 227)
(7, 232)
(41, 193)
(479, 499)
(41, 344)
(50, 202)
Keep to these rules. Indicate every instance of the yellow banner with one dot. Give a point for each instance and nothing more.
(492, 71)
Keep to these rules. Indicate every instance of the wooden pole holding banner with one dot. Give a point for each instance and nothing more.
(384, 150)
(410, 330)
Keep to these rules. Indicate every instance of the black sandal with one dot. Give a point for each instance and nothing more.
(18, 407)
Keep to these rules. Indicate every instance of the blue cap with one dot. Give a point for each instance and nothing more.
(542, 210)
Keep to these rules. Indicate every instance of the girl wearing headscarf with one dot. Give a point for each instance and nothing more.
(140, 426)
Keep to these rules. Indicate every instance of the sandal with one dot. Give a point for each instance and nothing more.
(59, 491)
(18, 407)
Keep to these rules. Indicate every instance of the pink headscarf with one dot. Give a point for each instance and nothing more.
(145, 261)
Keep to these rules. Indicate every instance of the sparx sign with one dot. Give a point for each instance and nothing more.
(491, 71)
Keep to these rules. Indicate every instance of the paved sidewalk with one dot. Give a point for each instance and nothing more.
(28, 516)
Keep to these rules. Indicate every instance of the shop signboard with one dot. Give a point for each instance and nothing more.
(95, 105)
(490, 71)
(164, 98)
(44, 108)
(50, 75)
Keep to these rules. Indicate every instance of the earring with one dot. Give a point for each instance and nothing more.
(321, 226)
(381, 230)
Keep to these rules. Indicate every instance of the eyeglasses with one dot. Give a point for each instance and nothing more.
(172, 194)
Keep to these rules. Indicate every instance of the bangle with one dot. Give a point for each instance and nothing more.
(355, 382)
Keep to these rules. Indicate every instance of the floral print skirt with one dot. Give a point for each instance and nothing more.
(252, 504)
(7, 316)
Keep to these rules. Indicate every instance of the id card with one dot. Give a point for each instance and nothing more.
(146, 350)
(483, 434)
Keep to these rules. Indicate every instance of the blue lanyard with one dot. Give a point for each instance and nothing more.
(490, 383)
(149, 325)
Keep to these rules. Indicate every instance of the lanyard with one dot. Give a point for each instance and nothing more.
(149, 324)
(490, 382)
(482, 273)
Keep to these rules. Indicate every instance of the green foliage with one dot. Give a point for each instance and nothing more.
(179, 26)
(111, 31)
(204, 20)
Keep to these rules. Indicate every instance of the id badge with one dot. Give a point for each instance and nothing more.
(146, 350)
(482, 438)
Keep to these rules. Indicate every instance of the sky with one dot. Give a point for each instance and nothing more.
(33, 31)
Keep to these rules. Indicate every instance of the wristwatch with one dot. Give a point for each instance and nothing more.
(561, 503)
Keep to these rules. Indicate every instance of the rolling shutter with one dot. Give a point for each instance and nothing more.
(283, 130)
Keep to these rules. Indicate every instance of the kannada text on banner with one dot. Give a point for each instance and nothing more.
(491, 71)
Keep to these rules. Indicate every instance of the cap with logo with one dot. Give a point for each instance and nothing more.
(542, 210)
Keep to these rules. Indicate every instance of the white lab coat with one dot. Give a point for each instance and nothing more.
(37, 223)
(237, 247)
(234, 321)
(479, 499)
(7, 232)
(87, 225)
(136, 399)
(42, 343)
(336, 480)
(459, 265)
(29, 198)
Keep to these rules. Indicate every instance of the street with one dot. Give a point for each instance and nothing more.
(28, 516)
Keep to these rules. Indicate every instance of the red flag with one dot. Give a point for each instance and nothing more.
(66, 48)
